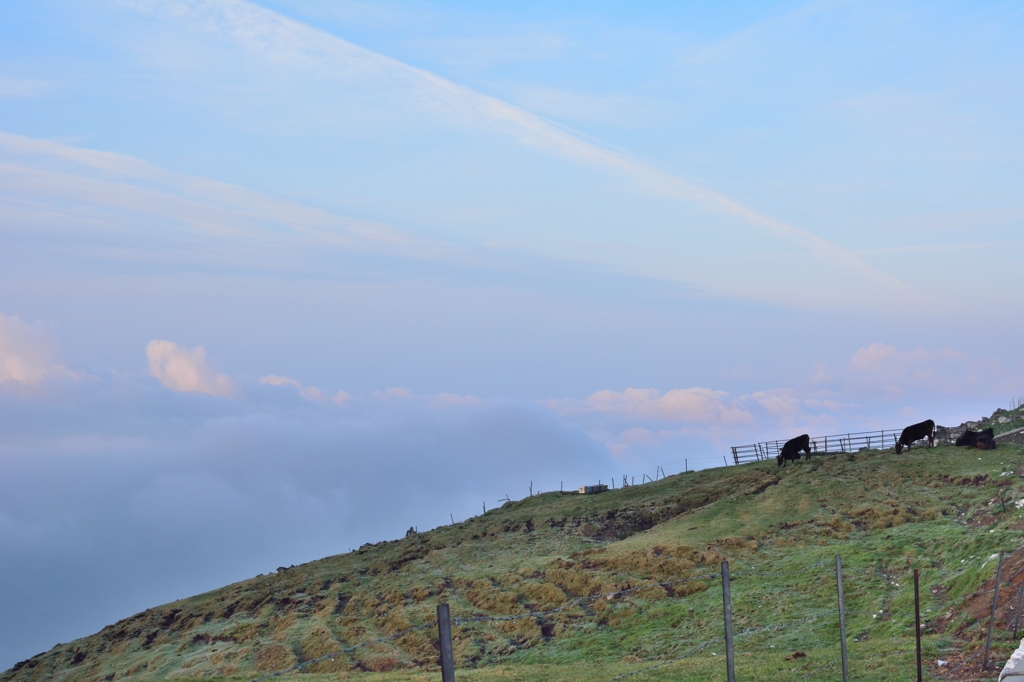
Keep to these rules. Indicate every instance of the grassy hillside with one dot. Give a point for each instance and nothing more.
(625, 580)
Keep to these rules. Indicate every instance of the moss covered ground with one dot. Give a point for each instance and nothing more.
(626, 583)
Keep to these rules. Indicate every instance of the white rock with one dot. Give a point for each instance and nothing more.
(941, 663)
(1004, 420)
(1014, 668)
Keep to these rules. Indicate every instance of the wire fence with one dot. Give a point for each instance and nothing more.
(864, 580)
(837, 444)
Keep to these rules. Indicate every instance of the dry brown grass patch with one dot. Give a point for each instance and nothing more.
(397, 621)
(275, 656)
(505, 579)
(572, 580)
(484, 595)
(244, 632)
(650, 591)
(525, 632)
(735, 543)
(283, 624)
(656, 562)
(379, 664)
(688, 588)
(420, 593)
(319, 641)
(545, 595)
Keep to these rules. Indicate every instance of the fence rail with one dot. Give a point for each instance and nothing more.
(831, 445)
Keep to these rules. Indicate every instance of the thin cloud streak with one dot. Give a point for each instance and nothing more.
(265, 31)
(205, 201)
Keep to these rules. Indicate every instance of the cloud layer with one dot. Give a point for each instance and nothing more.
(124, 495)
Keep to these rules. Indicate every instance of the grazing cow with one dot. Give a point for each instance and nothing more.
(792, 448)
(969, 438)
(925, 429)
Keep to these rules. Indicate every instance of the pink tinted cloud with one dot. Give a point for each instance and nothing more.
(688, 405)
(27, 354)
(185, 370)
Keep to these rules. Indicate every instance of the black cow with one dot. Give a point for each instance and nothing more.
(792, 448)
(984, 442)
(925, 429)
(969, 438)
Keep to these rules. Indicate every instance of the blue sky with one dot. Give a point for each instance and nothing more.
(252, 251)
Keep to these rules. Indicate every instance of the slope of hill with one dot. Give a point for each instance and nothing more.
(625, 580)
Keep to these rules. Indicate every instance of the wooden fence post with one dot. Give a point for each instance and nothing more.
(730, 664)
(842, 618)
(444, 631)
(1016, 615)
(917, 623)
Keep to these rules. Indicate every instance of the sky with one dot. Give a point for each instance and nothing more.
(281, 278)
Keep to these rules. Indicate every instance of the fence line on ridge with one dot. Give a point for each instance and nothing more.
(833, 445)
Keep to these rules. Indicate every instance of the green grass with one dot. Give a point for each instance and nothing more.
(935, 510)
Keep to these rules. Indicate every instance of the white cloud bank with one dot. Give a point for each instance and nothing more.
(184, 370)
(119, 497)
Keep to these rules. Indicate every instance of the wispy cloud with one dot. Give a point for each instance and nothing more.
(124, 182)
(311, 393)
(480, 52)
(286, 40)
(437, 400)
(887, 370)
(23, 87)
(625, 110)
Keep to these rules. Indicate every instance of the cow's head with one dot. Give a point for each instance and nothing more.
(779, 459)
(899, 447)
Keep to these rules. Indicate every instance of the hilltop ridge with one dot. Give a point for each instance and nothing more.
(570, 586)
